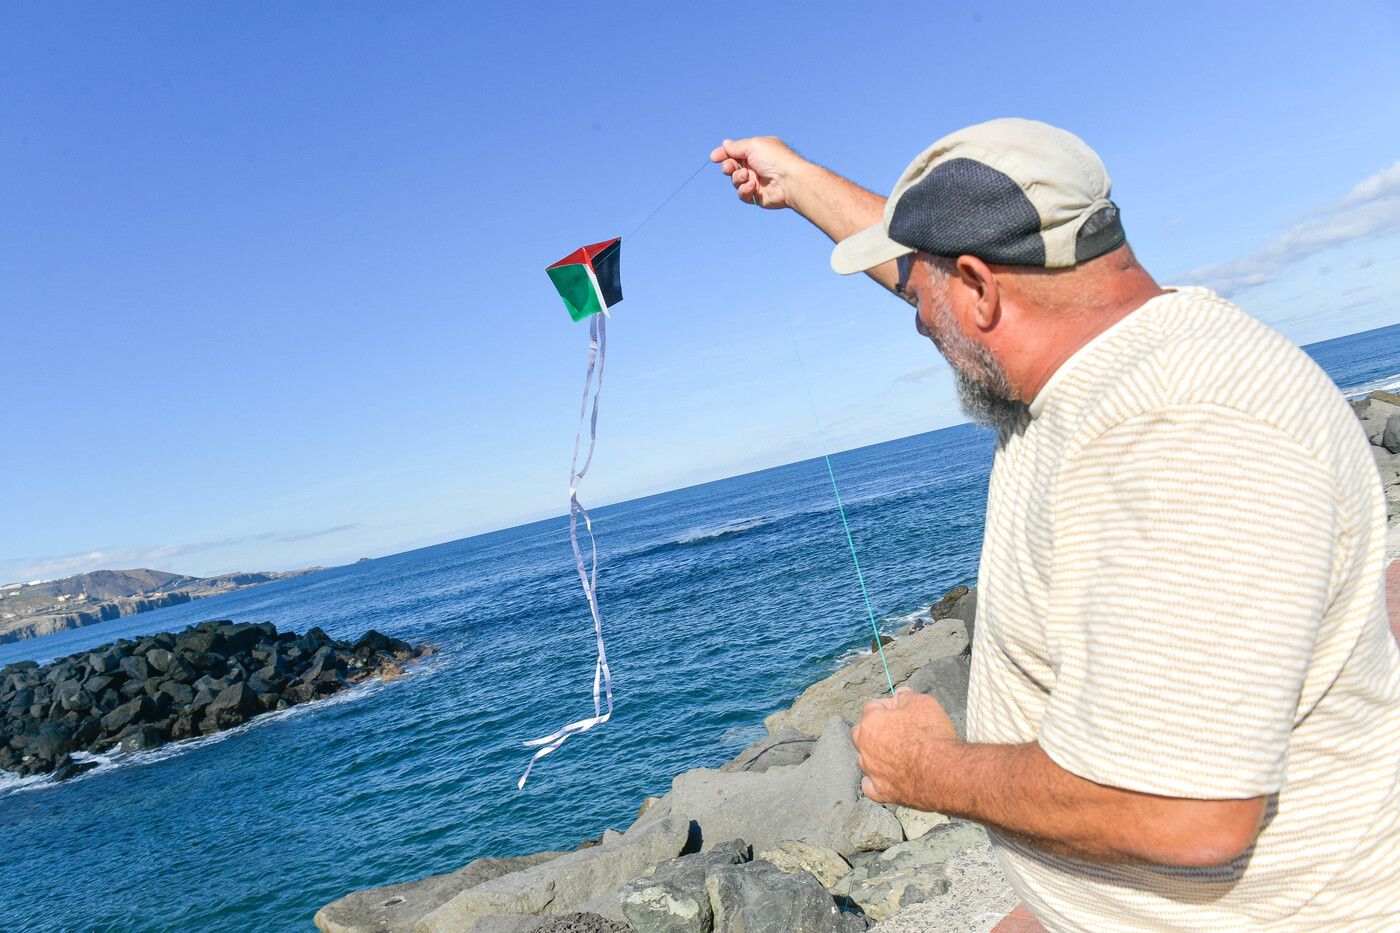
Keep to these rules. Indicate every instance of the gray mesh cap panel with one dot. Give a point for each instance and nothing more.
(967, 207)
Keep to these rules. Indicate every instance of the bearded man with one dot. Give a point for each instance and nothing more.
(1184, 710)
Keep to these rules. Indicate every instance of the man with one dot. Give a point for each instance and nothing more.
(1184, 711)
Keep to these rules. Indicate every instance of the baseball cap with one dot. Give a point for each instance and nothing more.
(1010, 191)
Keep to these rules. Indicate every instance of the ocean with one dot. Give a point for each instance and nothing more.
(720, 603)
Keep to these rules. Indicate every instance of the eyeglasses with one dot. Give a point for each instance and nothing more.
(905, 265)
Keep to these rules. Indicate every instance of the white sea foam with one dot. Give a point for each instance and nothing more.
(1389, 383)
(701, 535)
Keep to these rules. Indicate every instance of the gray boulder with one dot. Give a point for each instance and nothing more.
(1390, 437)
(845, 692)
(135, 710)
(234, 705)
(826, 865)
(909, 873)
(673, 898)
(397, 908)
(562, 884)
(818, 801)
(760, 898)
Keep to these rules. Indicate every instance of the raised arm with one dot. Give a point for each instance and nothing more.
(766, 171)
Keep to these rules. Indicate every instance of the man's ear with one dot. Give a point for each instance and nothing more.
(979, 280)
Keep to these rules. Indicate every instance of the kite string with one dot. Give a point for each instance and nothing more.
(821, 437)
(656, 210)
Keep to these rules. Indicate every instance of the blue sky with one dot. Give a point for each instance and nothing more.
(271, 287)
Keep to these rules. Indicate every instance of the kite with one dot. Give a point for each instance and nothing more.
(590, 281)
(590, 278)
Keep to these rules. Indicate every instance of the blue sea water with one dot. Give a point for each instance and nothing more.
(720, 603)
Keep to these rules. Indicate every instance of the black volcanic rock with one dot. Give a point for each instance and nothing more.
(139, 694)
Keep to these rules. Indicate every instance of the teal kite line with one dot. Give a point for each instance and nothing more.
(821, 437)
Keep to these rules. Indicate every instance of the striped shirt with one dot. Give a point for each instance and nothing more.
(1181, 594)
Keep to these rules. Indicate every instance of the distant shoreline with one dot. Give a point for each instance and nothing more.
(33, 610)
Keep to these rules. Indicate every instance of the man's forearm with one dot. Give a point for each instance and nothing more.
(1019, 790)
(838, 207)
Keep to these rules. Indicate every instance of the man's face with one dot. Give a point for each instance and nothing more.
(984, 392)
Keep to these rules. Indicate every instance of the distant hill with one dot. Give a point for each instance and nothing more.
(31, 610)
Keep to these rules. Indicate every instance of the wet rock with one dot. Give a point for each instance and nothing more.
(211, 676)
(135, 667)
(68, 767)
(105, 661)
(373, 642)
(135, 710)
(180, 695)
(142, 738)
(233, 706)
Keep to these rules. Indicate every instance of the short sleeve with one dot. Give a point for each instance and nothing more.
(1191, 564)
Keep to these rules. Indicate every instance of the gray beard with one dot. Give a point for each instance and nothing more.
(989, 403)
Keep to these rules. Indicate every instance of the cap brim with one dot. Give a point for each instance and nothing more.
(866, 250)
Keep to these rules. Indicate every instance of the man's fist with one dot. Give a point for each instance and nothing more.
(761, 168)
(895, 740)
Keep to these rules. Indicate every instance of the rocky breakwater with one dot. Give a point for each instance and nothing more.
(778, 839)
(141, 694)
(1379, 414)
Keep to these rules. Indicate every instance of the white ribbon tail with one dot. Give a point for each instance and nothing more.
(587, 574)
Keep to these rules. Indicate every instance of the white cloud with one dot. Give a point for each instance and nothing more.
(1371, 208)
(63, 565)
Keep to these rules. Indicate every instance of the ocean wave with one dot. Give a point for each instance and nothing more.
(1389, 383)
(701, 536)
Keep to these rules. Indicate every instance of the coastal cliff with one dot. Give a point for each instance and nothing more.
(30, 610)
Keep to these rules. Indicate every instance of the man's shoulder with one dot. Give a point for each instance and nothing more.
(1192, 349)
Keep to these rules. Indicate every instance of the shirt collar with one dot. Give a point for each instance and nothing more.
(1042, 398)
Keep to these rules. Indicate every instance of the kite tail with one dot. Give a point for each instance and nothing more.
(587, 574)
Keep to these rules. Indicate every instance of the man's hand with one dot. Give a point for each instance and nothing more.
(760, 169)
(909, 753)
(765, 170)
(894, 740)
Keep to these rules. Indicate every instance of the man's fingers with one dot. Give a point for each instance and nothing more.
(868, 788)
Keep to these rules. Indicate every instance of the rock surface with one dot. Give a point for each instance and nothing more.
(140, 694)
(845, 692)
(674, 899)
(397, 908)
(826, 865)
(563, 884)
(907, 873)
(818, 801)
(761, 898)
